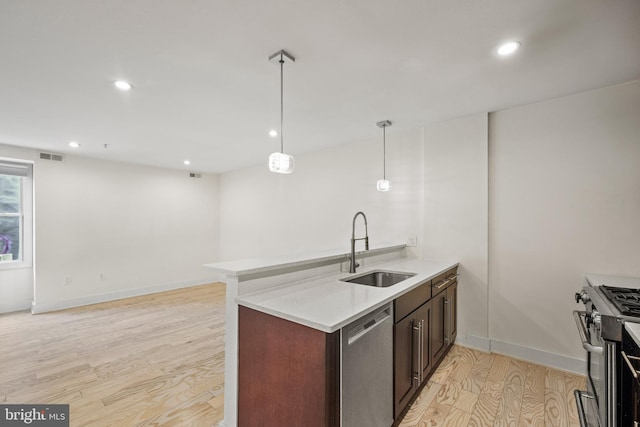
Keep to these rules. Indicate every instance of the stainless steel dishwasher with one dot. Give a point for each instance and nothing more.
(367, 370)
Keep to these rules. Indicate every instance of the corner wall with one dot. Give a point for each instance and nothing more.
(564, 201)
(456, 214)
(144, 229)
(108, 230)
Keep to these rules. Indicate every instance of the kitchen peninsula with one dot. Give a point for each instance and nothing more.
(308, 291)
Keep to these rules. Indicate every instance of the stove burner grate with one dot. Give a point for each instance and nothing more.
(627, 300)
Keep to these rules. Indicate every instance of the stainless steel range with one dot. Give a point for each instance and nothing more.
(609, 302)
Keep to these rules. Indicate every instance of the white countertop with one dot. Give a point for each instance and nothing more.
(328, 304)
(270, 264)
(613, 281)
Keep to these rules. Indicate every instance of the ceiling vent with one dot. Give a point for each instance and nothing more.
(195, 175)
(51, 156)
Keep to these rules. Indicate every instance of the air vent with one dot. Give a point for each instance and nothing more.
(51, 156)
(195, 175)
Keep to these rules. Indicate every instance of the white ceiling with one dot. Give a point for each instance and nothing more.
(205, 90)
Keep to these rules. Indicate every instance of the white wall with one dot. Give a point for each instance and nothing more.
(145, 229)
(456, 214)
(564, 200)
(16, 284)
(265, 214)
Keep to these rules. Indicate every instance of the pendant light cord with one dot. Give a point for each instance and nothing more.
(384, 152)
(281, 102)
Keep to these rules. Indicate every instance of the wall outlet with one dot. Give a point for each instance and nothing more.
(101, 276)
(68, 280)
(412, 241)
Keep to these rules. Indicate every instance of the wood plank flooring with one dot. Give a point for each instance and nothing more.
(472, 388)
(158, 360)
(150, 360)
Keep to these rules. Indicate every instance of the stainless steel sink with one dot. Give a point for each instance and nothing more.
(379, 278)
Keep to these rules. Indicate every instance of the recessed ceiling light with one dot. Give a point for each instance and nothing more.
(273, 133)
(508, 48)
(187, 162)
(73, 144)
(122, 85)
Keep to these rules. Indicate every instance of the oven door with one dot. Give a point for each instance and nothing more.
(630, 396)
(592, 403)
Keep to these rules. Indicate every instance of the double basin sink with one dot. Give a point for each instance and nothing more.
(379, 278)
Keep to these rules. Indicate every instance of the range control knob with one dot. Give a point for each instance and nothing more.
(592, 318)
(596, 318)
(583, 297)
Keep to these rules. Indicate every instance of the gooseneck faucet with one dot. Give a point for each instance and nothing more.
(352, 264)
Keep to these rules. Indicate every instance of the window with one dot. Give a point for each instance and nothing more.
(15, 222)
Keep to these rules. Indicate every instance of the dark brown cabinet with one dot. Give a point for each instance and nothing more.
(412, 358)
(444, 306)
(438, 327)
(424, 330)
(288, 374)
(452, 318)
(412, 345)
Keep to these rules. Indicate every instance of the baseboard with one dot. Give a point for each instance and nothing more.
(37, 308)
(552, 360)
(19, 306)
(539, 357)
(478, 343)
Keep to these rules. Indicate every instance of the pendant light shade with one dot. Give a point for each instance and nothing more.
(281, 162)
(384, 184)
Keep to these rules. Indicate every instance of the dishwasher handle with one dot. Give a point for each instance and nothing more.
(367, 324)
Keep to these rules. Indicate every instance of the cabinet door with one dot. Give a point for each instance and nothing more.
(452, 298)
(423, 316)
(438, 327)
(288, 374)
(404, 369)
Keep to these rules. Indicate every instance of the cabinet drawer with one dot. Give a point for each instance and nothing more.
(413, 299)
(443, 281)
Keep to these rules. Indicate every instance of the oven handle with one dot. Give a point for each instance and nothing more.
(578, 315)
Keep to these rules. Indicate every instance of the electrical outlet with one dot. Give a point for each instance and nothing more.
(101, 276)
(412, 241)
(68, 280)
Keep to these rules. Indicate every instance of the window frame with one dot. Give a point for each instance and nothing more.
(26, 223)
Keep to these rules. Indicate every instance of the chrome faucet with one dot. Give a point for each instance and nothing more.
(352, 264)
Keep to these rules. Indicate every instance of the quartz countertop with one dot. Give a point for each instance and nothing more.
(252, 266)
(613, 281)
(327, 304)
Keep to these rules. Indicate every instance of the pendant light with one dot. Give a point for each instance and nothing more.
(280, 162)
(383, 184)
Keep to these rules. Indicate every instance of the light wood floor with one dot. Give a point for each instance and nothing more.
(151, 360)
(472, 388)
(159, 360)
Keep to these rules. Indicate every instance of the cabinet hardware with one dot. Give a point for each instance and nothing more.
(447, 316)
(415, 357)
(444, 283)
(421, 349)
